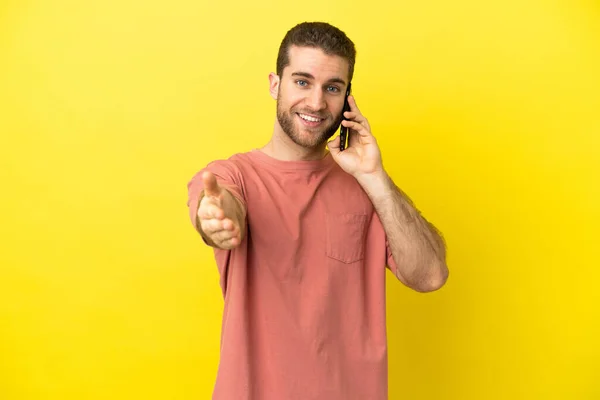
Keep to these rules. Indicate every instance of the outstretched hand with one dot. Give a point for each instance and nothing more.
(217, 214)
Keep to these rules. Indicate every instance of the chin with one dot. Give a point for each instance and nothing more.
(309, 140)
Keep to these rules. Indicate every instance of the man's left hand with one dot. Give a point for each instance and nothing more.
(362, 156)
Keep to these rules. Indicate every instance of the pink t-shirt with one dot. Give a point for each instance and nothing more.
(304, 293)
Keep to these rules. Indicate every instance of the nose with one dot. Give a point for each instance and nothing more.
(316, 100)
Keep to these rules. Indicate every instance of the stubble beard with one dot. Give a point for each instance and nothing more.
(316, 138)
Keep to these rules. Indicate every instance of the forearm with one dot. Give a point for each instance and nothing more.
(417, 247)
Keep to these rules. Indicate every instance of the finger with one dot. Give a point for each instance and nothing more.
(353, 139)
(211, 187)
(353, 106)
(230, 243)
(210, 211)
(225, 235)
(334, 145)
(358, 116)
(221, 234)
(359, 128)
(353, 116)
(228, 224)
(209, 207)
(212, 226)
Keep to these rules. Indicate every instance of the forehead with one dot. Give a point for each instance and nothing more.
(315, 62)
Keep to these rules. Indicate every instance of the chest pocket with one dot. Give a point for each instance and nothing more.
(346, 236)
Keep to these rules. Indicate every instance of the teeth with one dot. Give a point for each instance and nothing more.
(309, 118)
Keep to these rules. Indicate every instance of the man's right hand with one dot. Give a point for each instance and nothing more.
(219, 215)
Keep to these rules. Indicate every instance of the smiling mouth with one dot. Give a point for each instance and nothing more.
(310, 120)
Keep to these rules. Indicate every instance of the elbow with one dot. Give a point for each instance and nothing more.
(434, 280)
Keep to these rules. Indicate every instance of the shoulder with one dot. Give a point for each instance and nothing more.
(228, 172)
(227, 168)
(342, 182)
(235, 161)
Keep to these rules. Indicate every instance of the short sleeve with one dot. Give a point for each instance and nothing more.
(391, 263)
(228, 176)
(381, 242)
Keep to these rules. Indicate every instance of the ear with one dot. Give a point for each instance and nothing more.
(274, 85)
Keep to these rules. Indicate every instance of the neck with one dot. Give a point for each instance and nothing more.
(281, 147)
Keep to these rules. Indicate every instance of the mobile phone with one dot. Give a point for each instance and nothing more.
(343, 129)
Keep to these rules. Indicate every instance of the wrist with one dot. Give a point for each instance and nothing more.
(376, 184)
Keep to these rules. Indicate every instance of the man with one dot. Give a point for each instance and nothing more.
(302, 234)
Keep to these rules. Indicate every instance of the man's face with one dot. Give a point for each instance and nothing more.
(310, 95)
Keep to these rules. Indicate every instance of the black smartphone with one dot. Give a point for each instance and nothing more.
(343, 129)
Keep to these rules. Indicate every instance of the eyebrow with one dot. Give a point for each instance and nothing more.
(309, 76)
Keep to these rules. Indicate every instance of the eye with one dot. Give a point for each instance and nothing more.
(333, 89)
(301, 82)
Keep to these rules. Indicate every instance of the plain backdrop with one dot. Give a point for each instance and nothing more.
(488, 116)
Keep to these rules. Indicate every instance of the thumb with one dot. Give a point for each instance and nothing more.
(211, 187)
(334, 146)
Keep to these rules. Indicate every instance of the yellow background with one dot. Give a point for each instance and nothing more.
(488, 114)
